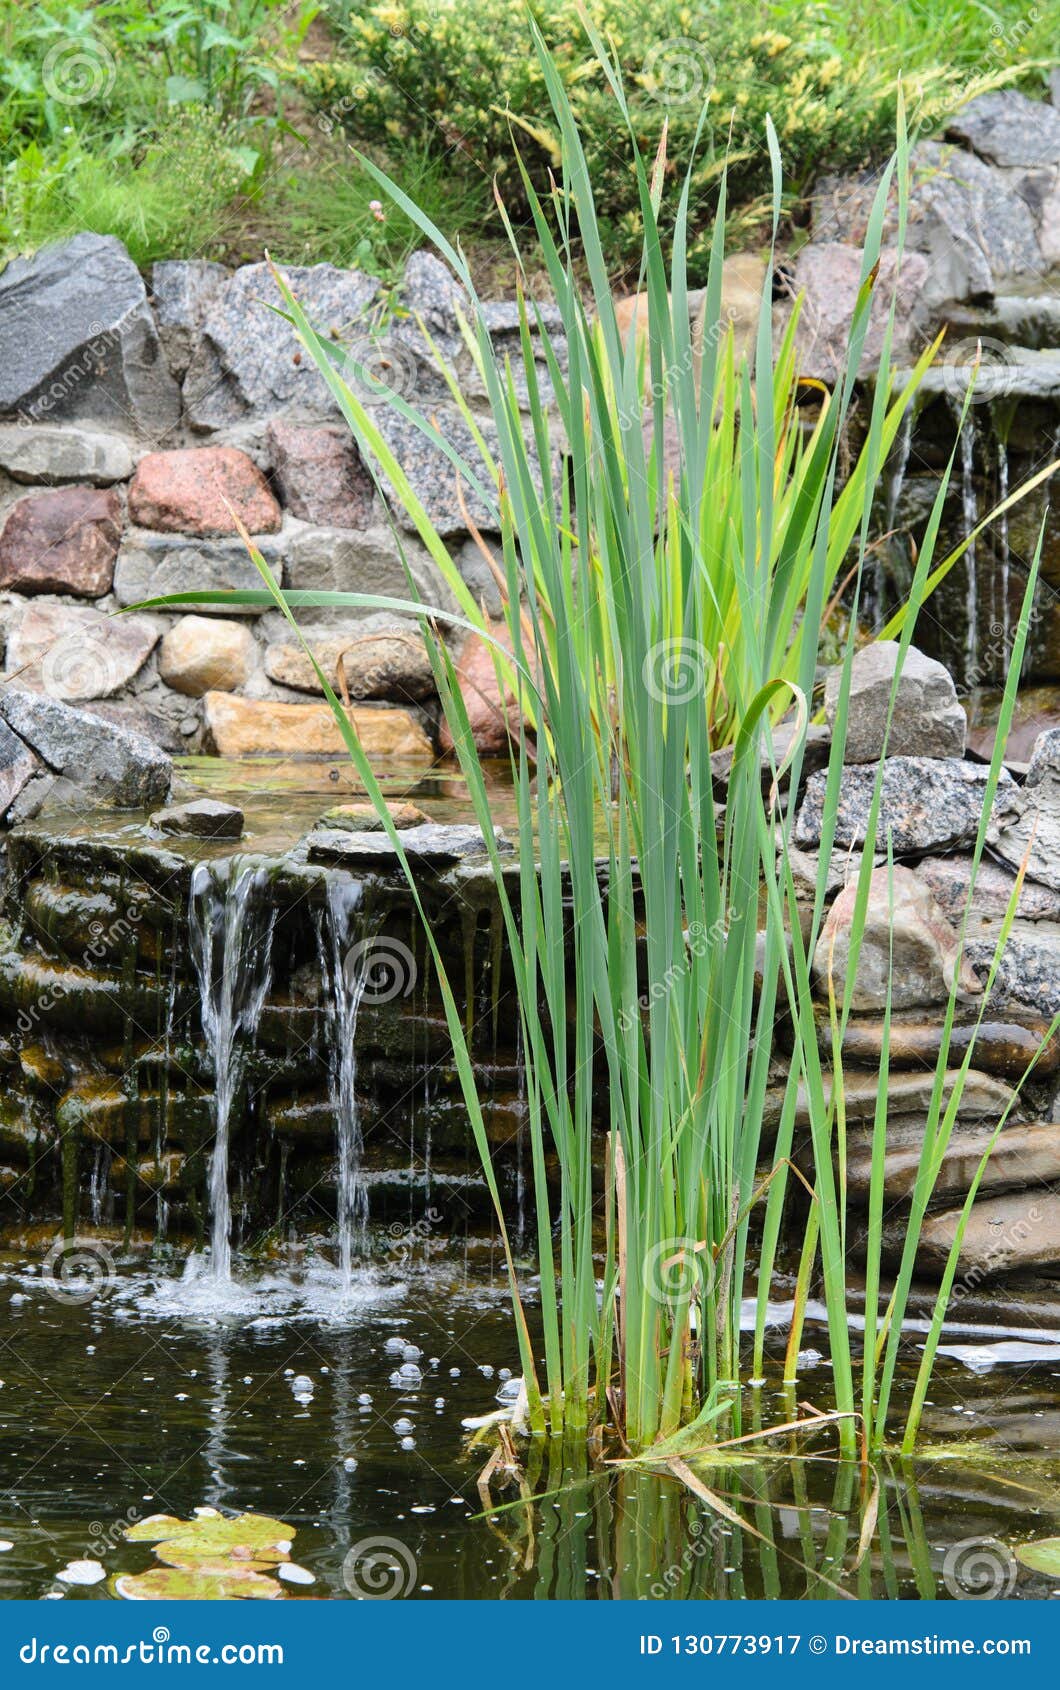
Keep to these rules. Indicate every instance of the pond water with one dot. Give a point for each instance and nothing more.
(281, 1395)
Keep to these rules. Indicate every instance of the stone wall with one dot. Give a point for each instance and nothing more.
(142, 421)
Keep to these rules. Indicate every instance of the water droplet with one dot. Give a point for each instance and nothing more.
(408, 1443)
(291, 1573)
(411, 1353)
(403, 1425)
(365, 1400)
(350, 1464)
(394, 1346)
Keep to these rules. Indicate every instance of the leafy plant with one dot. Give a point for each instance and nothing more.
(462, 78)
(625, 571)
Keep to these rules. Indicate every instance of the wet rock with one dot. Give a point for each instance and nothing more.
(48, 454)
(78, 341)
(983, 1098)
(202, 654)
(1002, 1047)
(63, 541)
(928, 721)
(363, 818)
(1005, 127)
(1013, 1234)
(319, 474)
(429, 843)
(380, 658)
(966, 218)
(907, 943)
(184, 291)
(1025, 826)
(74, 653)
(152, 566)
(828, 276)
(491, 716)
(238, 727)
(249, 363)
(201, 818)
(18, 765)
(113, 766)
(950, 879)
(202, 491)
(1025, 1153)
(927, 804)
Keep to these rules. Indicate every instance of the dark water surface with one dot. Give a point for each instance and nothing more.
(166, 1393)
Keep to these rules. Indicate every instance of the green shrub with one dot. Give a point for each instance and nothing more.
(460, 77)
(170, 197)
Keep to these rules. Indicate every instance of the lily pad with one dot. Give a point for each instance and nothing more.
(193, 1561)
(1041, 1557)
(176, 1584)
(247, 1538)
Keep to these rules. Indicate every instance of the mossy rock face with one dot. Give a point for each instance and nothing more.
(99, 1109)
(23, 1127)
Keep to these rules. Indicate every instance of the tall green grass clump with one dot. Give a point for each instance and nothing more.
(664, 587)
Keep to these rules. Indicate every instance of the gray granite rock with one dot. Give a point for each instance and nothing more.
(1028, 973)
(184, 291)
(927, 804)
(249, 364)
(18, 765)
(1005, 127)
(965, 216)
(78, 341)
(46, 454)
(200, 818)
(434, 478)
(1025, 826)
(150, 566)
(950, 879)
(928, 721)
(106, 764)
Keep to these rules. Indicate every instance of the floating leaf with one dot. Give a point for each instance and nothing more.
(194, 1561)
(1041, 1557)
(176, 1584)
(154, 1528)
(247, 1538)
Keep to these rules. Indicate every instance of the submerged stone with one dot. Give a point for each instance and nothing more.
(201, 818)
(364, 818)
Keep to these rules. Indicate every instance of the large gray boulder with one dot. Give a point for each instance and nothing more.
(78, 341)
(1025, 826)
(104, 763)
(249, 365)
(928, 720)
(1005, 127)
(927, 804)
(184, 291)
(965, 216)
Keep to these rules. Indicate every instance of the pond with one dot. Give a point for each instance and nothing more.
(281, 1395)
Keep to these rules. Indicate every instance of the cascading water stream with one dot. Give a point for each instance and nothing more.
(346, 936)
(230, 923)
(970, 516)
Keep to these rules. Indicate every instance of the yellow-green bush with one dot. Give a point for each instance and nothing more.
(460, 76)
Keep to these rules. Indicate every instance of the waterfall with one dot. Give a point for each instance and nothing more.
(346, 936)
(894, 480)
(970, 514)
(230, 923)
